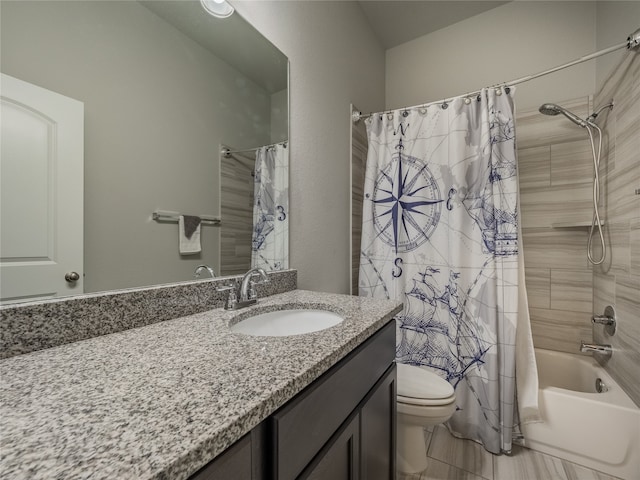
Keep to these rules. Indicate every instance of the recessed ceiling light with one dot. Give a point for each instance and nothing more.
(218, 8)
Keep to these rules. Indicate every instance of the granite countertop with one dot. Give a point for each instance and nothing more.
(160, 401)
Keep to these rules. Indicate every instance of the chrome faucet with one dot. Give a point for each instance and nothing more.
(604, 350)
(247, 292)
(243, 294)
(200, 268)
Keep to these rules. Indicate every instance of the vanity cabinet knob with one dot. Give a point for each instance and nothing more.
(72, 277)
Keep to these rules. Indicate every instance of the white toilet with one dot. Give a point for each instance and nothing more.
(423, 399)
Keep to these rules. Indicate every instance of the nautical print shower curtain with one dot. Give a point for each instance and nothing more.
(440, 233)
(270, 240)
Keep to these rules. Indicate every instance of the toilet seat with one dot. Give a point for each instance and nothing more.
(424, 402)
(417, 386)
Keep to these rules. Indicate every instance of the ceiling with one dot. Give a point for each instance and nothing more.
(398, 21)
(393, 21)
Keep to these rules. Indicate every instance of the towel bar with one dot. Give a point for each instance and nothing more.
(160, 216)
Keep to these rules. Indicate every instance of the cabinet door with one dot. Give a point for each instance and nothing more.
(378, 430)
(302, 427)
(340, 459)
(234, 463)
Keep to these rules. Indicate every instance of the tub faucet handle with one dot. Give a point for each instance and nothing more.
(608, 320)
(602, 319)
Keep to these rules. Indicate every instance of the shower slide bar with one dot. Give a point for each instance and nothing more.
(633, 41)
(164, 216)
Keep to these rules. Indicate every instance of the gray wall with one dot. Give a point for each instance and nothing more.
(334, 60)
(508, 42)
(615, 20)
(157, 105)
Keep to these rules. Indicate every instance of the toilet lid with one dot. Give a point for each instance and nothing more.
(416, 382)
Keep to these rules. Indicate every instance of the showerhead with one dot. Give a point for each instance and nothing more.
(553, 109)
(549, 109)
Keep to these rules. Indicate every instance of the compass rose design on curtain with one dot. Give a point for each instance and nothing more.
(440, 233)
(405, 202)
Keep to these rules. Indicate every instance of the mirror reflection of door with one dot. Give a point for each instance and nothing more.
(41, 210)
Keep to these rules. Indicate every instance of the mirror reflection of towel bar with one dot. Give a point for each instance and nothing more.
(160, 216)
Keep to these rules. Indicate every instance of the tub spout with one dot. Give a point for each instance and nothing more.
(604, 350)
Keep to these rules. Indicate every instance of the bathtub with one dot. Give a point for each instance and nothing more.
(600, 431)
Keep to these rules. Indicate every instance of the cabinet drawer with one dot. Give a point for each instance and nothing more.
(305, 424)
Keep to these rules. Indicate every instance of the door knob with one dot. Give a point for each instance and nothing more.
(72, 277)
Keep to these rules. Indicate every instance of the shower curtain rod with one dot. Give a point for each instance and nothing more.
(226, 153)
(633, 41)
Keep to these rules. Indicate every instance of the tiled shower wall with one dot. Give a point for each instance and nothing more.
(236, 212)
(617, 281)
(359, 149)
(555, 169)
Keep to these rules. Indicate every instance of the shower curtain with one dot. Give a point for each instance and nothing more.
(270, 240)
(440, 232)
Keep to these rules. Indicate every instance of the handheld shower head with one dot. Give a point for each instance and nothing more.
(553, 109)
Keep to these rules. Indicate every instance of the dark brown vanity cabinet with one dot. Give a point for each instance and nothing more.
(342, 426)
(364, 446)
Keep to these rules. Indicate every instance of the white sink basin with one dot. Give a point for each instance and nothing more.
(282, 323)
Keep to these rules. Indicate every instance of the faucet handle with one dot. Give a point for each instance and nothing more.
(253, 294)
(603, 319)
(252, 291)
(608, 320)
(226, 288)
(232, 296)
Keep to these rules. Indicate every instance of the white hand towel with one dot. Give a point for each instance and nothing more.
(188, 235)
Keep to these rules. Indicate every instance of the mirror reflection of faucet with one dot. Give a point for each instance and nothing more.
(200, 268)
(243, 294)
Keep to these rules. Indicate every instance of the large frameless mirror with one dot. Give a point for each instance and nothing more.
(154, 90)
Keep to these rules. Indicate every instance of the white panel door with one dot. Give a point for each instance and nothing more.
(41, 192)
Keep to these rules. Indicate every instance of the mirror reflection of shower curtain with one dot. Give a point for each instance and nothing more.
(270, 241)
(440, 232)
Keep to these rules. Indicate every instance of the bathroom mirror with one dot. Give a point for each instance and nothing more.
(164, 85)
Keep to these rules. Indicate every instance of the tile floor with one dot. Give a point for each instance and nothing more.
(451, 458)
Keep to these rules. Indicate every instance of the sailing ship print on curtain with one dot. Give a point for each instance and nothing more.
(270, 239)
(440, 233)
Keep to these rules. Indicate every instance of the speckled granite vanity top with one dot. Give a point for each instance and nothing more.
(159, 402)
